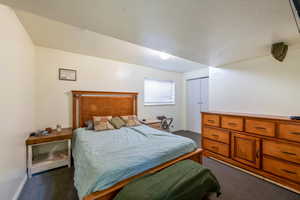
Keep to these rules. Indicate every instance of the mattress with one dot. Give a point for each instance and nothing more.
(104, 158)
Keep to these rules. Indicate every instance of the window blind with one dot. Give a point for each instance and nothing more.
(158, 92)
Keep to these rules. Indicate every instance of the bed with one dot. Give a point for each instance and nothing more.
(106, 161)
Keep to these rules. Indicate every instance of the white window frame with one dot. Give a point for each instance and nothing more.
(160, 103)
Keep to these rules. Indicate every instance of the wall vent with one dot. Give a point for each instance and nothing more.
(295, 4)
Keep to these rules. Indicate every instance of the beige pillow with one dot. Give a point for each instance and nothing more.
(102, 123)
(131, 120)
(117, 122)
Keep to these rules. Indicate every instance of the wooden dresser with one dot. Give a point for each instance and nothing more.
(267, 146)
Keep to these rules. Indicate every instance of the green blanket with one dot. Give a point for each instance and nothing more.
(186, 180)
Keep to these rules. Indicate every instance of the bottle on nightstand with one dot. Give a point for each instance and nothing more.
(58, 128)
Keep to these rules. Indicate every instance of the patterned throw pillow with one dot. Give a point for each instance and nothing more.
(89, 125)
(131, 120)
(117, 122)
(102, 123)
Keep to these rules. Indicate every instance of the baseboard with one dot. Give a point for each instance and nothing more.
(19, 189)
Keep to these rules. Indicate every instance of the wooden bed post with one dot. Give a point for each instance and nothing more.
(135, 105)
(75, 110)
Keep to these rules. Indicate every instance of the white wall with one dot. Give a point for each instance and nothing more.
(96, 74)
(17, 101)
(262, 85)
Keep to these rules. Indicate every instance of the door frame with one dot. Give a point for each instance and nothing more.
(196, 78)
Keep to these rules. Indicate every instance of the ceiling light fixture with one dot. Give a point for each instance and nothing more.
(164, 55)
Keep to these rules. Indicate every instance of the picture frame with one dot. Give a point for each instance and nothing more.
(67, 74)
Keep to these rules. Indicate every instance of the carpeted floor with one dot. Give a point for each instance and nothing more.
(236, 185)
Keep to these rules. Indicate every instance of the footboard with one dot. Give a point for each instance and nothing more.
(110, 193)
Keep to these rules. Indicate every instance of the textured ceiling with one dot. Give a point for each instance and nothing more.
(53, 34)
(210, 32)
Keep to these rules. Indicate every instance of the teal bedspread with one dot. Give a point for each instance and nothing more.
(104, 158)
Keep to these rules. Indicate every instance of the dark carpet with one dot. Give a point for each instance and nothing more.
(236, 185)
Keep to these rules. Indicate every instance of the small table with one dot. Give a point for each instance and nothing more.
(46, 162)
(153, 123)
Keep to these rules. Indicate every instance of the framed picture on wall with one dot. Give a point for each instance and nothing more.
(67, 74)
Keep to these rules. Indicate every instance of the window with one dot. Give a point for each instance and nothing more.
(158, 92)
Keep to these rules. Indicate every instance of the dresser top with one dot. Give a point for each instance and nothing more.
(276, 117)
(65, 134)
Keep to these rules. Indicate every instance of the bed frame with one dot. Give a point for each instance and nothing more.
(87, 104)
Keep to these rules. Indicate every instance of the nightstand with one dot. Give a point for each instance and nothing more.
(153, 123)
(45, 161)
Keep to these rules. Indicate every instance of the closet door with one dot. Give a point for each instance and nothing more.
(245, 149)
(197, 102)
(193, 105)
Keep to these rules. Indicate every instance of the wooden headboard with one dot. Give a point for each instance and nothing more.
(87, 104)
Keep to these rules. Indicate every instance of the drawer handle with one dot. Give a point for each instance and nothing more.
(211, 121)
(260, 128)
(288, 171)
(215, 135)
(232, 124)
(215, 148)
(289, 153)
(257, 154)
(295, 133)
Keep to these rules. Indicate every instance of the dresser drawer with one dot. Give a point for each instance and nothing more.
(283, 169)
(216, 147)
(260, 127)
(216, 134)
(289, 132)
(233, 123)
(211, 120)
(282, 150)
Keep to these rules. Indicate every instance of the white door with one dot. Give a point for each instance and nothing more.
(197, 101)
(204, 95)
